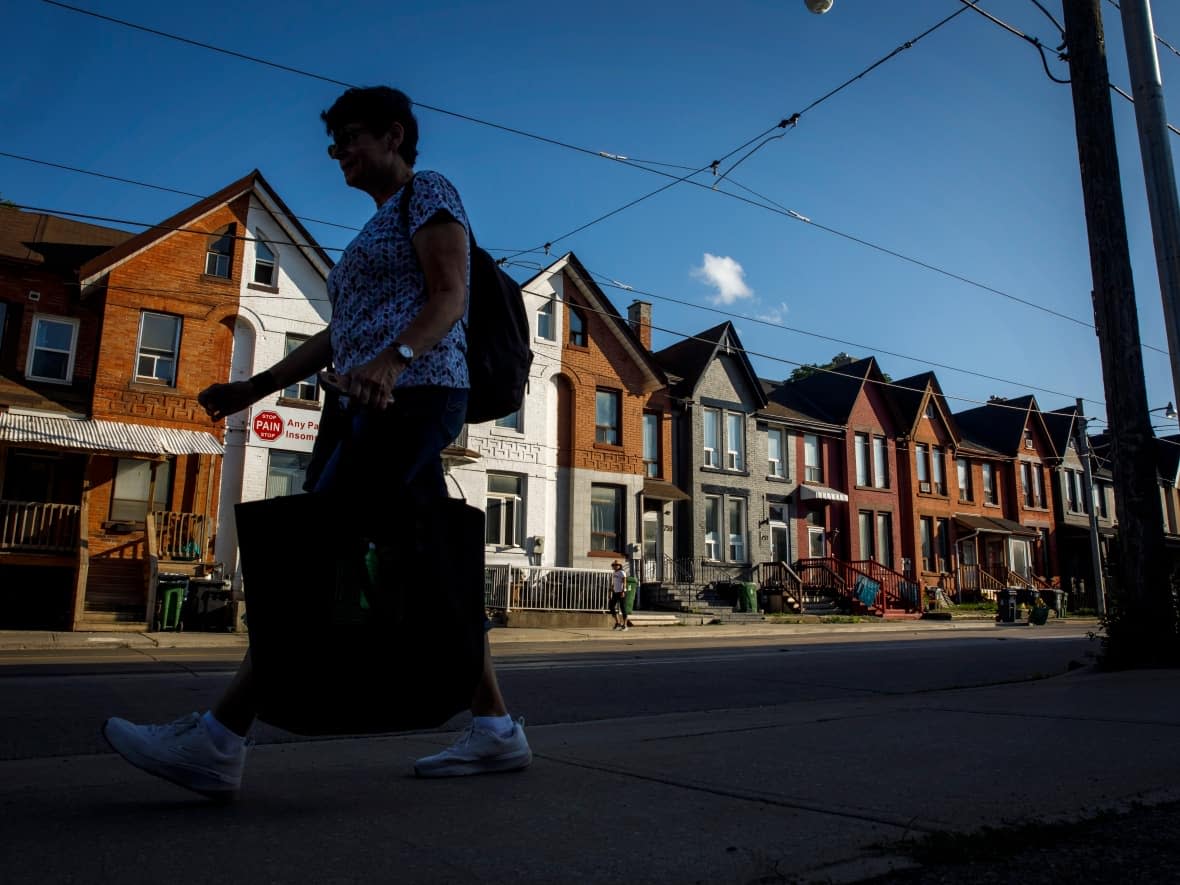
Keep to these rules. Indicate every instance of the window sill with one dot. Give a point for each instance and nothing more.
(294, 403)
(506, 431)
(605, 554)
(60, 382)
(608, 447)
(543, 340)
(992, 506)
(213, 278)
(782, 479)
(884, 489)
(725, 471)
(259, 287)
(934, 495)
(147, 384)
(583, 348)
(122, 527)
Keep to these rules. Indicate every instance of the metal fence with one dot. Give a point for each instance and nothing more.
(547, 588)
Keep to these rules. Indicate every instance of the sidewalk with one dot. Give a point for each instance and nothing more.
(18, 640)
(804, 791)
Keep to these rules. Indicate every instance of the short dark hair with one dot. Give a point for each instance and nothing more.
(376, 108)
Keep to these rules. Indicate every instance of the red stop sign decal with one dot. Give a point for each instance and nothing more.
(268, 425)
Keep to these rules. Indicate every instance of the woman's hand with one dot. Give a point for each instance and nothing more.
(372, 383)
(220, 400)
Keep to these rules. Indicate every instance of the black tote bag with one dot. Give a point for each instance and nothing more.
(335, 652)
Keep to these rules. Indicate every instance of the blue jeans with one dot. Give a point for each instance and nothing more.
(397, 450)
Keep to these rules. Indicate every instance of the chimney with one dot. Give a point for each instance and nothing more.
(639, 316)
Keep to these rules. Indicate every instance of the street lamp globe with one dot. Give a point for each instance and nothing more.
(819, 7)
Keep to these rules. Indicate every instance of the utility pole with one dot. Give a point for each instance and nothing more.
(1083, 445)
(1141, 626)
(1151, 118)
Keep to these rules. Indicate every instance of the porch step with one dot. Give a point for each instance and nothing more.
(652, 619)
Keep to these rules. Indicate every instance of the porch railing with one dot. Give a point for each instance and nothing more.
(690, 570)
(39, 527)
(779, 575)
(974, 582)
(1015, 579)
(823, 574)
(180, 536)
(897, 591)
(546, 588)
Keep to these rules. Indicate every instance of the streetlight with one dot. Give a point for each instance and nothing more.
(1168, 410)
(819, 7)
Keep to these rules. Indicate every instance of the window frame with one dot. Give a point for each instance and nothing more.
(578, 336)
(862, 455)
(510, 508)
(613, 432)
(175, 355)
(512, 421)
(653, 428)
(880, 459)
(300, 470)
(735, 456)
(548, 312)
(922, 464)
(619, 534)
(736, 504)
(926, 537)
(884, 520)
(712, 516)
(963, 471)
(156, 504)
(812, 445)
(711, 455)
(71, 354)
(942, 544)
(991, 490)
(272, 263)
(776, 467)
(866, 525)
(291, 342)
(938, 470)
(226, 235)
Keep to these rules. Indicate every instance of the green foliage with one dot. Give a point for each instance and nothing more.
(809, 369)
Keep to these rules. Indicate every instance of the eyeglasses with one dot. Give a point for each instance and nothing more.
(343, 139)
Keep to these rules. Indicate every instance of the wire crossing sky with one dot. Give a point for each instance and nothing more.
(958, 153)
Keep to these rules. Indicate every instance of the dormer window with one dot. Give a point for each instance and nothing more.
(220, 252)
(931, 409)
(1028, 438)
(577, 327)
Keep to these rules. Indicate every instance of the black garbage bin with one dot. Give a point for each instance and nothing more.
(1006, 606)
(211, 609)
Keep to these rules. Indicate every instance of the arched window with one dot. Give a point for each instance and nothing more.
(220, 253)
(577, 327)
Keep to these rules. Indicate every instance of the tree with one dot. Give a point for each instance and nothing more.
(840, 359)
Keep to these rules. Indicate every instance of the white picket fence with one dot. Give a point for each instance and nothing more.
(546, 588)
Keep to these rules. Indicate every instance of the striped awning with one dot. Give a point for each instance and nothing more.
(93, 435)
(820, 493)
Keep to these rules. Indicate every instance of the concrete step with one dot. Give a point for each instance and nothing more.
(652, 619)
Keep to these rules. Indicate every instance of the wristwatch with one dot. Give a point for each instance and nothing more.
(404, 351)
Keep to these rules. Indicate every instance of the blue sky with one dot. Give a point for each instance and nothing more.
(958, 152)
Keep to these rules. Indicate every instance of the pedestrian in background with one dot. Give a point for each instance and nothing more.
(618, 595)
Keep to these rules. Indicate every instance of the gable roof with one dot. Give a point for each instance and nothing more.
(908, 395)
(999, 424)
(1060, 423)
(829, 395)
(38, 238)
(612, 319)
(254, 182)
(688, 360)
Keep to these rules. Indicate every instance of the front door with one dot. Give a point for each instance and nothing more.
(1020, 557)
(815, 543)
(993, 559)
(653, 531)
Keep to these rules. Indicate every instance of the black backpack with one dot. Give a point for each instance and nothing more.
(498, 352)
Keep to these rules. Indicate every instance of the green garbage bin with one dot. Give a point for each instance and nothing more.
(748, 597)
(632, 589)
(171, 600)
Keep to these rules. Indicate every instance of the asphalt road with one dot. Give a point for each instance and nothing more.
(52, 703)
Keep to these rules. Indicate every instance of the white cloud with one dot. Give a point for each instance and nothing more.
(775, 314)
(726, 276)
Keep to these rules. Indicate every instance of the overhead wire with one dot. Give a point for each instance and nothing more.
(1158, 39)
(1032, 41)
(545, 247)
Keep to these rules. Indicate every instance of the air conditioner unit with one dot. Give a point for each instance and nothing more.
(924, 487)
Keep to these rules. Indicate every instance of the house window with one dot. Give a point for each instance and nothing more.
(606, 417)
(264, 264)
(606, 518)
(1026, 483)
(307, 390)
(1038, 485)
(133, 479)
(1071, 491)
(812, 468)
(1100, 498)
(885, 539)
(939, 465)
(735, 509)
(220, 252)
(815, 542)
(1079, 490)
(51, 356)
(285, 472)
(864, 520)
(944, 544)
(863, 468)
(577, 327)
(927, 528)
(504, 523)
(1028, 438)
(922, 455)
(510, 422)
(931, 409)
(712, 420)
(545, 317)
(990, 495)
(735, 441)
(712, 530)
(159, 343)
(774, 452)
(880, 463)
(963, 466)
(651, 444)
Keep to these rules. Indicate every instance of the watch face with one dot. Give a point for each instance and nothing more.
(406, 352)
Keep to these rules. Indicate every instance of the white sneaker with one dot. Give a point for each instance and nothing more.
(479, 752)
(182, 752)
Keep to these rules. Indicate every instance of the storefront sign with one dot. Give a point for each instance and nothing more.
(283, 428)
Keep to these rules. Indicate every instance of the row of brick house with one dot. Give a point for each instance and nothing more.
(110, 472)
(682, 461)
